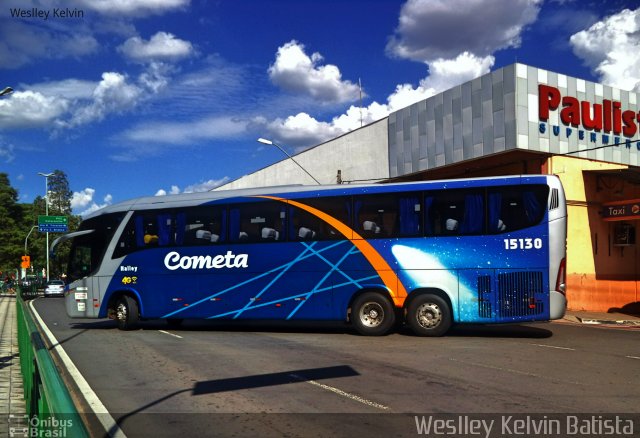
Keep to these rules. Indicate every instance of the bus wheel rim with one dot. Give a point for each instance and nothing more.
(372, 314)
(429, 315)
(121, 312)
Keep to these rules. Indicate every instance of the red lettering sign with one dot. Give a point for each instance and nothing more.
(606, 117)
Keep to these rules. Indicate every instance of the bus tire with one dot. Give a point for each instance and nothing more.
(127, 313)
(429, 315)
(372, 314)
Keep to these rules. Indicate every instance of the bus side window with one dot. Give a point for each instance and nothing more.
(304, 225)
(146, 230)
(376, 216)
(203, 226)
(454, 212)
(257, 222)
(515, 208)
(444, 212)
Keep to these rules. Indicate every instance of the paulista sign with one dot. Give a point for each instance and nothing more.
(614, 124)
(53, 224)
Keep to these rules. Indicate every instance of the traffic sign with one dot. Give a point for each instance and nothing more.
(53, 224)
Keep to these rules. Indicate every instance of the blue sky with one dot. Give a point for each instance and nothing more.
(150, 97)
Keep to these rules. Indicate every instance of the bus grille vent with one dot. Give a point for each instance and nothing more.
(555, 199)
(484, 291)
(517, 294)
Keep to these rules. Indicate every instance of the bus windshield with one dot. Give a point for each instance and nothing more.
(88, 249)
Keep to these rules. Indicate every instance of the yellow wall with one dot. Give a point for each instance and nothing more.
(600, 276)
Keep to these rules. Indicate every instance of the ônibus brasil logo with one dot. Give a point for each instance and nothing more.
(174, 260)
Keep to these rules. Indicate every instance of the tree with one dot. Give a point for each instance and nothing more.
(59, 200)
(59, 194)
(12, 226)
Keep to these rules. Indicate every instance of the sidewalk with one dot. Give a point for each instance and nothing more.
(12, 405)
(583, 317)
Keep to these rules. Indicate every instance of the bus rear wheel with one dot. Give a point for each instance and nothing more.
(372, 314)
(429, 315)
(127, 313)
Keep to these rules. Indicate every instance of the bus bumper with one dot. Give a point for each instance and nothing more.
(557, 305)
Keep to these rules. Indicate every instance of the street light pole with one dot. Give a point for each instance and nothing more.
(271, 142)
(46, 209)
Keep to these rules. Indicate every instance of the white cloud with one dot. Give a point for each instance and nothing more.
(134, 7)
(112, 94)
(610, 48)
(73, 102)
(303, 130)
(208, 128)
(84, 198)
(161, 46)
(22, 42)
(295, 71)
(448, 73)
(7, 153)
(29, 109)
(206, 186)
(443, 29)
(174, 191)
(203, 186)
(68, 89)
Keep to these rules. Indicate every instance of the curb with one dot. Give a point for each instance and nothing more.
(608, 321)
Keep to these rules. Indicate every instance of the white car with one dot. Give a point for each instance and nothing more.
(54, 287)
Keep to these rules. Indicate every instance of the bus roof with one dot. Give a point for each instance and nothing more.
(193, 199)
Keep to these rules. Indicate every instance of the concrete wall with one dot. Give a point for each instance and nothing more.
(360, 155)
(471, 120)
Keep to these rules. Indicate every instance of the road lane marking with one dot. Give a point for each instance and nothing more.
(170, 334)
(100, 411)
(554, 346)
(633, 357)
(511, 370)
(341, 392)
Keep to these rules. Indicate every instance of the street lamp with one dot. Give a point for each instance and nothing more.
(270, 142)
(6, 90)
(46, 209)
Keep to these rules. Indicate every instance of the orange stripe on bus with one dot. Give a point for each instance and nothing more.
(388, 276)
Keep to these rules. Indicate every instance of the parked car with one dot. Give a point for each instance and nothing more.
(54, 287)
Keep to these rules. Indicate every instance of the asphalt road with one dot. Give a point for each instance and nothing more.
(214, 379)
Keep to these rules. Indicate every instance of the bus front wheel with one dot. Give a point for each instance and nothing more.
(372, 314)
(127, 313)
(429, 315)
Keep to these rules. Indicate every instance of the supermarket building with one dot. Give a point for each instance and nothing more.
(515, 120)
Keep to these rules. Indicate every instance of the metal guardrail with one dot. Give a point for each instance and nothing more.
(50, 410)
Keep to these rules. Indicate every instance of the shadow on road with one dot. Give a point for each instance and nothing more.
(320, 327)
(246, 382)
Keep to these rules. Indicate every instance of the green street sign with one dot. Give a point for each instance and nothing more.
(53, 224)
(53, 220)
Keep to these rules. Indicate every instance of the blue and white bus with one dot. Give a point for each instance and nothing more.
(429, 254)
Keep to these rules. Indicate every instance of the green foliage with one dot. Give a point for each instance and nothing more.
(17, 221)
(11, 226)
